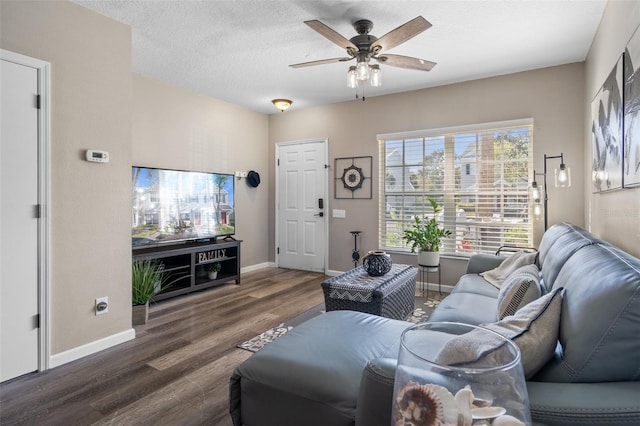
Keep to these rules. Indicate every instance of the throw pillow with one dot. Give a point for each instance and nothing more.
(520, 288)
(534, 328)
(496, 276)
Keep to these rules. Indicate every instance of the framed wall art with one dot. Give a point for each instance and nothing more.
(352, 177)
(607, 132)
(631, 143)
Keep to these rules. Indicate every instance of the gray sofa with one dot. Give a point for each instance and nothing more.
(338, 368)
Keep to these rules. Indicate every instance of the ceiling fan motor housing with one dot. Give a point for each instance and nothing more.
(363, 26)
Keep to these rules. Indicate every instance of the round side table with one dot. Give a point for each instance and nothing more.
(425, 270)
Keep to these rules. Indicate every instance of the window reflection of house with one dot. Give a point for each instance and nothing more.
(172, 212)
(397, 182)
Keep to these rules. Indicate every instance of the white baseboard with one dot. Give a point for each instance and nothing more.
(91, 348)
(432, 287)
(255, 267)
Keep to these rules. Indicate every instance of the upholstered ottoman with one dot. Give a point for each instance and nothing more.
(390, 295)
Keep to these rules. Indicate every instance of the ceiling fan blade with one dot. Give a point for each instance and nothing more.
(408, 62)
(401, 34)
(332, 35)
(320, 62)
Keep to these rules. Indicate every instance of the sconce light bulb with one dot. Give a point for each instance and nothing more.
(537, 210)
(535, 192)
(563, 176)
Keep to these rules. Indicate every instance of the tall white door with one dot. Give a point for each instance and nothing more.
(18, 220)
(302, 205)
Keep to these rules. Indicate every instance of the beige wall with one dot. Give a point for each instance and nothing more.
(612, 216)
(177, 129)
(90, 58)
(553, 97)
(95, 100)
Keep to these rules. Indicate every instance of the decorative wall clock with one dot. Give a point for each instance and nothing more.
(352, 177)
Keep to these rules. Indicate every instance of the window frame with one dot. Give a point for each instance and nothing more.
(447, 198)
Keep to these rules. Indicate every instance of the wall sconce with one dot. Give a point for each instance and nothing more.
(282, 104)
(562, 180)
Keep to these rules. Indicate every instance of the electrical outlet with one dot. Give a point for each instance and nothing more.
(102, 305)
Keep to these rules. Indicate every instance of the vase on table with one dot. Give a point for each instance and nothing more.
(458, 374)
(377, 263)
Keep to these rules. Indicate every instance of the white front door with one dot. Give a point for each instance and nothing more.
(301, 196)
(19, 260)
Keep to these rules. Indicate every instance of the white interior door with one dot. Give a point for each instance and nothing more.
(19, 260)
(301, 216)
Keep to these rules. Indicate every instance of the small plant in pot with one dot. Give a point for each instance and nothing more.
(148, 279)
(213, 269)
(425, 236)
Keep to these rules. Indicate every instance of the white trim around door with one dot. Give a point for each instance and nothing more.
(44, 198)
(315, 211)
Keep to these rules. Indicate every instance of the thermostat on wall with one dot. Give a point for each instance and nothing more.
(97, 156)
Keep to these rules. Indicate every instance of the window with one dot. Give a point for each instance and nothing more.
(477, 174)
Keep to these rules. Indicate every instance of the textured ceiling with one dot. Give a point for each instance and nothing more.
(240, 51)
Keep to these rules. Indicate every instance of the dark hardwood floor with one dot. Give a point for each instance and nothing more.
(176, 371)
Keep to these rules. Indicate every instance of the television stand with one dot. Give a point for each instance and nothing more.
(186, 264)
(229, 238)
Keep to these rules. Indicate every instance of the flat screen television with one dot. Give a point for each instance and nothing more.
(173, 206)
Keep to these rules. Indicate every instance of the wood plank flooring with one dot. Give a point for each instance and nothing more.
(176, 371)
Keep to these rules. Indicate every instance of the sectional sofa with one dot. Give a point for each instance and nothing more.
(338, 368)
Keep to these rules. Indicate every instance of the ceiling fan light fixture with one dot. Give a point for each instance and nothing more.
(365, 47)
(352, 82)
(376, 76)
(362, 70)
(282, 104)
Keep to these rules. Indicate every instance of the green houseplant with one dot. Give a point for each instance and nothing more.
(147, 279)
(213, 269)
(425, 236)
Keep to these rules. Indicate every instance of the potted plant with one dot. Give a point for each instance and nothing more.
(426, 236)
(213, 269)
(148, 278)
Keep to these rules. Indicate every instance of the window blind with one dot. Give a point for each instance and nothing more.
(478, 175)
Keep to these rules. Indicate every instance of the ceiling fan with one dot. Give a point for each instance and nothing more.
(364, 47)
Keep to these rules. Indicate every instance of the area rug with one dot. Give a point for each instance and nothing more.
(423, 308)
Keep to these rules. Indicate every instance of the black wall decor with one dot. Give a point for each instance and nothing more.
(352, 177)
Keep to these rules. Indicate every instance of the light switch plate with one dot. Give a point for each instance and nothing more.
(339, 213)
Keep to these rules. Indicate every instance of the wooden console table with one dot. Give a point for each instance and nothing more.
(186, 263)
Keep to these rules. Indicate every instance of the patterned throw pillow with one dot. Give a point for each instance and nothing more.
(520, 288)
(534, 328)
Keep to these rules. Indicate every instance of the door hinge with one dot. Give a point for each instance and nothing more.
(278, 161)
(326, 166)
(38, 101)
(278, 250)
(36, 321)
(37, 211)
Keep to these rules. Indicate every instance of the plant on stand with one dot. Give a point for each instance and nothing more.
(426, 236)
(213, 269)
(148, 279)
